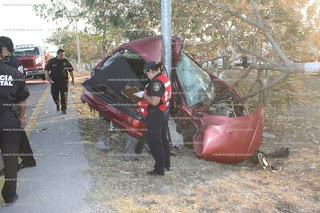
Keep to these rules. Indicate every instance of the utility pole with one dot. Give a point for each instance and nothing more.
(77, 39)
(78, 48)
(78, 43)
(166, 34)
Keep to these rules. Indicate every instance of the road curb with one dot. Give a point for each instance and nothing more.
(45, 81)
(36, 82)
(34, 117)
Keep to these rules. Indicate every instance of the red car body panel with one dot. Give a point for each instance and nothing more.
(150, 48)
(126, 123)
(229, 140)
(216, 139)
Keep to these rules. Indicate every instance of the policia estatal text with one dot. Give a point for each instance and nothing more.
(12, 92)
(59, 67)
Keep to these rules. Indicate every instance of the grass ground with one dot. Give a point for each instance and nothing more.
(195, 185)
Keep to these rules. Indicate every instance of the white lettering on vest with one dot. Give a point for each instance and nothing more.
(6, 80)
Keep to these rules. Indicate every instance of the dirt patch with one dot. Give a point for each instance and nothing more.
(195, 185)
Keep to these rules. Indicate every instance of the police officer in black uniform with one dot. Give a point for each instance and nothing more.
(157, 96)
(25, 150)
(12, 91)
(59, 68)
(7, 56)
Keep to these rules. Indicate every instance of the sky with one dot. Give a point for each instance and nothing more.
(20, 23)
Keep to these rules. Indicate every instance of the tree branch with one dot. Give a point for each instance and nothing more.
(257, 24)
(212, 59)
(252, 86)
(243, 49)
(282, 76)
(287, 66)
(269, 37)
(242, 77)
(235, 14)
(293, 68)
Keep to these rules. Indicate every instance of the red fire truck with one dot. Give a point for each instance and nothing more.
(33, 60)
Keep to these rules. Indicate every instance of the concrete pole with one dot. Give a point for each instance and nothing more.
(77, 38)
(78, 47)
(166, 34)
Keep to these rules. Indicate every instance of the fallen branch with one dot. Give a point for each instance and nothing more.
(268, 86)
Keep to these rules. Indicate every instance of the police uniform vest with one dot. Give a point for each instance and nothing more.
(12, 87)
(165, 98)
(59, 69)
(13, 62)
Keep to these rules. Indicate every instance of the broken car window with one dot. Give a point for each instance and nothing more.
(111, 59)
(196, 83)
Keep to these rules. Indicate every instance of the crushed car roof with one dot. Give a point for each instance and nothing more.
(151, 48)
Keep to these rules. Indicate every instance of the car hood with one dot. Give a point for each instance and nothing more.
(229, 139)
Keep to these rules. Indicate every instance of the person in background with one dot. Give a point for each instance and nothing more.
(56, 72)
(13, 92)
(155, 107)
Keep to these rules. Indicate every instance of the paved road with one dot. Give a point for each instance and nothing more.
(58, 183)
(36, 92)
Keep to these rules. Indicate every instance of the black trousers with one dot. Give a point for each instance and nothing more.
(60, 89)
(157, 127)
(10, 133)
(166, 145)
(25, 151)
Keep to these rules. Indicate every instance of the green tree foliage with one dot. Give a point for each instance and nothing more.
(115, 21)
(111, 20)
(66, 39)
(126, 19)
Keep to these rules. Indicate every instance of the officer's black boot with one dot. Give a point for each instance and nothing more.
(10, 203)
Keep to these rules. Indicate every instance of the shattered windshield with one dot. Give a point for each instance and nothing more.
(32, 51)
(196, 83)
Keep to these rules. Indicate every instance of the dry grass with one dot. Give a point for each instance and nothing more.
(195, 185)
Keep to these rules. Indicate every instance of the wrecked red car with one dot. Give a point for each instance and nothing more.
(207, 111)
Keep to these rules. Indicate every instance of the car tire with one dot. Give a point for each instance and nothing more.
(43, 77)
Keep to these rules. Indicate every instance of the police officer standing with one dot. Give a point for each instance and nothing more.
(12, 91)
(59, 68)
(155, 106)
(25, 151)
(7, 54)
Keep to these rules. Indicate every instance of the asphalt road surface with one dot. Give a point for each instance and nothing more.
(36, 91)
(59, 182)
